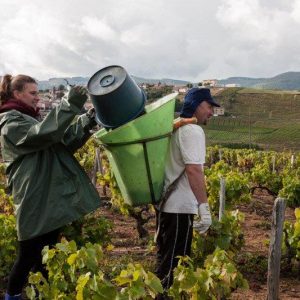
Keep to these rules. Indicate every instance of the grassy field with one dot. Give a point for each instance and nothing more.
(282, 138)
(270, 119)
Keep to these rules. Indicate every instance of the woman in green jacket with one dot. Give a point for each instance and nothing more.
(49, 187)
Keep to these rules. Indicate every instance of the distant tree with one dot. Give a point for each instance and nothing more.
(154, 93)
(178, 105)
(200, 84)
(59, 94)
(61, 87)
(189, 85)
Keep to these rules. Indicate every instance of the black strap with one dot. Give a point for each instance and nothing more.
(170, 189)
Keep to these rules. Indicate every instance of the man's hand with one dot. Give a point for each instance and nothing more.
(205, 218)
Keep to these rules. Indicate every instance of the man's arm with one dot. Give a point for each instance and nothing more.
(197, 181)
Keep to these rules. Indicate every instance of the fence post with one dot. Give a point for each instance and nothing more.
(99, 163)
(94, 174)
(220, 154)
(97, 166)
(273, 163)
(250, 130)
(292, 161)
(222, 198)
(275, 249)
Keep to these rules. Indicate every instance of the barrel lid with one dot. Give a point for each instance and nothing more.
(106, 80)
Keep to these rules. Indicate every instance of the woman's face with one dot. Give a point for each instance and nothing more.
(29, 95)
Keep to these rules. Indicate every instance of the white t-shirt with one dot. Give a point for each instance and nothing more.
(187, 146)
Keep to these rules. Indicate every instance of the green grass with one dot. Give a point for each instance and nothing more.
(274, 116)
(261, 104)
(268, 135)
(264, 91)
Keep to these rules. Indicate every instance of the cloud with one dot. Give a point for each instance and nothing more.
(262, 36)
(251, 24)
(296, 11)
(185, 40)
(98, 28)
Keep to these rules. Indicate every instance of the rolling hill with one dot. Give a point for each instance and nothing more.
(269, 119)
(48, 84)
(284, 81)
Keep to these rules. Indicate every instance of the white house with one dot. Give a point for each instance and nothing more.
(219, 111)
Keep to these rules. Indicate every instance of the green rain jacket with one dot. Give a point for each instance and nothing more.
(49, 187)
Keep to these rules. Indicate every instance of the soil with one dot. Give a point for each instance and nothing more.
(256, 228)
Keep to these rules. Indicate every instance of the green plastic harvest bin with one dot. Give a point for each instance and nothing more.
(137, 151)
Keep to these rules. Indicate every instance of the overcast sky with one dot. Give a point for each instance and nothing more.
(190, 40)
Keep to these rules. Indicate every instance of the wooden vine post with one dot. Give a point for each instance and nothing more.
(97, 166)
(220, 154)
(273, 164)
(292, 161)
(275, 249)
(222, 198)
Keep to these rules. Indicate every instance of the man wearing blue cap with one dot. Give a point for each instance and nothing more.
(184, 173)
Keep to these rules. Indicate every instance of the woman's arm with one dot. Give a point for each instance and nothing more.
(27, 136)
(79, 132)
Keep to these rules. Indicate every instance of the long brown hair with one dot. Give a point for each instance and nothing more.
(10, 83)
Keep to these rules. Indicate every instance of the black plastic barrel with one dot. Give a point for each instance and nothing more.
(116, 97)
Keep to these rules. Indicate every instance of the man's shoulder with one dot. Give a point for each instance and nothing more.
(190, 129)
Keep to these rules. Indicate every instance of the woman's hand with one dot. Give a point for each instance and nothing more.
(77, 96)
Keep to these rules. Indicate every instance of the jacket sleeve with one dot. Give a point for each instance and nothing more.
(26, 136)
(77, 133)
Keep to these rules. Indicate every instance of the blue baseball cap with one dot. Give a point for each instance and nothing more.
(193, 98)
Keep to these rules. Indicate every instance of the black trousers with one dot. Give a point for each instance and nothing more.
(29, 258)
(174, 239)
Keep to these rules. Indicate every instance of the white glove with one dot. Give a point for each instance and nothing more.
(205, 216)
